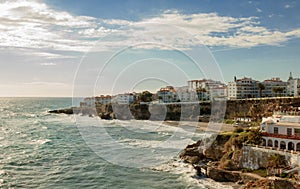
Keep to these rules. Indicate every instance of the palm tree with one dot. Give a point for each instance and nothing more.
(275, 90)
(261, 87)
(280, 90)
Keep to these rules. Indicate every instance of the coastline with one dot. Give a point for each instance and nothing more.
(221, 164)
(235, 178)
(201, 126)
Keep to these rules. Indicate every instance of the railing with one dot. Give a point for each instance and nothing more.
(292, 137)
(273, 149)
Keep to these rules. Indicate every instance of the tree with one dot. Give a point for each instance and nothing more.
(275, 90)
(279, 90)
(146, 96)
(254, 137)
(261, 87)
(276, 161)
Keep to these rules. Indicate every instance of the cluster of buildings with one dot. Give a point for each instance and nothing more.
(275, 87)
(207, 90)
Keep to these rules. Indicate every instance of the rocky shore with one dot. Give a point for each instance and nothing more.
(221, 162)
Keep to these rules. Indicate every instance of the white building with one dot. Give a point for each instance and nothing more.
(208, 89)
(103, 99)
(88, 102)
(218, 92)
(167, 94)
(293, 86)
(126, 98)
(281, 132)
(186, 95)
(273, 87)
(243, 88)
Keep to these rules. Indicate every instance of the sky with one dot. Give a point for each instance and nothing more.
(86, 48)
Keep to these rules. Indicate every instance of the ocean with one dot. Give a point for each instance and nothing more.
(42, 150)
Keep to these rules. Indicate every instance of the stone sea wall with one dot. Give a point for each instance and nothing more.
(257, 157)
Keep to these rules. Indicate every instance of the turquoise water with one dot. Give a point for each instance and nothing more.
(42, 150)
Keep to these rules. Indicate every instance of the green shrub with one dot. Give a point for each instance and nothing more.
(238, 129)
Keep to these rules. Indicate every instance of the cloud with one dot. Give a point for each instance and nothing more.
(258, 10)
(212, 30)
(48, 64)
(43, 83)
(287, 6)
(33, 24)
(36, 26)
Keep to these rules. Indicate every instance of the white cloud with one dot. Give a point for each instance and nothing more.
(35, 25)
(287, 6)
(212, 30)
(258, 10)
(43, 83)
(48, 64)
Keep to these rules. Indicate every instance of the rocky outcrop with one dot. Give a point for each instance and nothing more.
(62, 111)
(256, 109)
(107, 116)
(191, 154)
(271, 184)
(221, 175)
(216, 151)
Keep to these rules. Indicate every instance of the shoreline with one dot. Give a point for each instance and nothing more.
(201, 126)
(235, 178)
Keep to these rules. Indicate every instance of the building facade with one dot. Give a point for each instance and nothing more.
(103, 99)
(88, 102)
(281, 132)
(208, 89)
(186, 95)
(167, 94)
(126, 98)
(293, 86)
(272, 88)
(243, 88)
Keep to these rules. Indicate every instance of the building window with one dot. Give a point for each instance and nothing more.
(289, 131)
(275, 130)
(297, 132)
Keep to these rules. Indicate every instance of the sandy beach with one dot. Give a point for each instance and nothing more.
(203, 126)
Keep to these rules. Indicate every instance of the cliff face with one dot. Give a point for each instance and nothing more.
(256, 109)
(259, 108)
(216, 151)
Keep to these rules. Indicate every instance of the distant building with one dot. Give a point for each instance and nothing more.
(243, 88)
(88, 102)
(208, 89)
(126, 98)
(219, 91)
(103, 99)
(186, 95)
(273, 87)
(293, 86)
(167, 94)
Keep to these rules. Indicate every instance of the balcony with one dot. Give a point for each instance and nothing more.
(291, 137)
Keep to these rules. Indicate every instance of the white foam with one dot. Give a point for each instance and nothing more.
(2, 172)
(189, 175)
(40, 141)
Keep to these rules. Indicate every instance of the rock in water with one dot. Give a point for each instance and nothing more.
(191, 153)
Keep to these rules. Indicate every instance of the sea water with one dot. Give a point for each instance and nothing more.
(42, 150)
